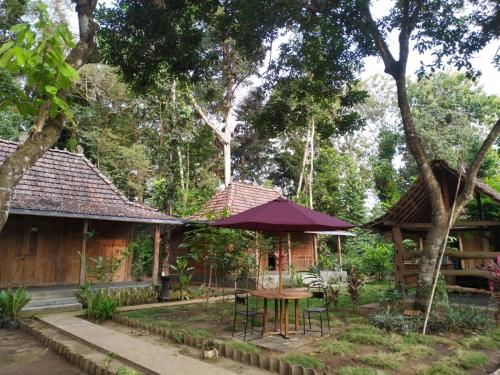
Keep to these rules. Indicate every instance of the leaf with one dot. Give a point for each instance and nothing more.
(19, 27)
(6, 46)
(5, 59)
(52, 90)
(20, 55)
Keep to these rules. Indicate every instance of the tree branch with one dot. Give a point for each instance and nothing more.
(389, 62)
(206, 120)
(470, 181)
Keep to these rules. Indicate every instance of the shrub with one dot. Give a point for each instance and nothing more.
(396, 322)
(11, 303)
(304, 360)
(378, 260)
(467, 317)
(134, 296)
(354, 285)
(100, 307)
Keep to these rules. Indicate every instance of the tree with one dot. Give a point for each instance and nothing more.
(215, 46)
(453, 31)
(38, 55)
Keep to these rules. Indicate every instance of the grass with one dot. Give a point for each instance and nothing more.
(336, 347)
(468, 359)
(351, 370)
(243, 346)
(413, 351)
(418, 338)
(494, 334)
(304, 360)
(392, 361)
(443, 368)
(368, 335)
(480, 342)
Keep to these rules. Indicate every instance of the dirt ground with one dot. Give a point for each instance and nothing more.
(20, 354)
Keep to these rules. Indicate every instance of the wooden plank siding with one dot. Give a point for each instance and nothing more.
(44, 251)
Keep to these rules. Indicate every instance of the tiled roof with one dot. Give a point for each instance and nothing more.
(65, 184)
(235, 198)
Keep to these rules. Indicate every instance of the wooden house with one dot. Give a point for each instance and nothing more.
(63, 207)
(238, 197)
(472, 244)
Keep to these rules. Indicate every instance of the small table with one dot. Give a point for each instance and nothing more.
(280, 316)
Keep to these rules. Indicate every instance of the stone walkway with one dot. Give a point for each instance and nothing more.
(148, 357)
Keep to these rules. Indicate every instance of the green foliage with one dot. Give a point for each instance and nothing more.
(378, 260)
(102, 269)
(126, 371)
(184, 276)
(37, 53)
(12, 302)
(354, 284)
(444, 368)
(304, 360)
(397, 323)
(100, 306)
(142, 255)
(465, 317)
(127, 296)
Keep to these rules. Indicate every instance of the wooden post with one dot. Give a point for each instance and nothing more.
(83, 253)
(156, 255)
(399, 278)
(339, 252)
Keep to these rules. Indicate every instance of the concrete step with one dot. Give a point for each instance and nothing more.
(52, 308)
(51, 301)
(36, 293)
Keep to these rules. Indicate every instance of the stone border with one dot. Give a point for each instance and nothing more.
(252, 359)
(84, 364)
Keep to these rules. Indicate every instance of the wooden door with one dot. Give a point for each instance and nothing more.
(12, 252)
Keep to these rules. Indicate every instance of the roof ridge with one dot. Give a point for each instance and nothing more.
(254, 186)
(52, 149)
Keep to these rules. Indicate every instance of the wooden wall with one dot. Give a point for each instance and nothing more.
(44, 251)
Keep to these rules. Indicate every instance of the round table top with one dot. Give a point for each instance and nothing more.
(287, 293)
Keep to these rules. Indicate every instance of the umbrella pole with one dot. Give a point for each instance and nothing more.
(280, 261)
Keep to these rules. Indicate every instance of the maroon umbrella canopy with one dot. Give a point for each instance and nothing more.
(282, 215)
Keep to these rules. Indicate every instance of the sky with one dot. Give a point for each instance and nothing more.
(490, 78)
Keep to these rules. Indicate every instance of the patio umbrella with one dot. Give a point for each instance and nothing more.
(282, 215)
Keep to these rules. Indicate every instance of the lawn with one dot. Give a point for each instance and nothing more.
(355, 345)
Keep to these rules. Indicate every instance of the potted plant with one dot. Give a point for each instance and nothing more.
(209, 350)
(11, 304)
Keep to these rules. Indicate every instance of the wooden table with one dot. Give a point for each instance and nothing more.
(280, 315)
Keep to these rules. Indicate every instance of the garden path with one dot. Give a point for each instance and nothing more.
(146, 356)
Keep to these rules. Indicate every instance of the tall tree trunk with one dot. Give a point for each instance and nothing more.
(47, 131)
(440, 214)
(304, 160)
(311, 166)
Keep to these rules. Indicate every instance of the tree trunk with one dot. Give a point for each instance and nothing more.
(46, 134)
(433, 242)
